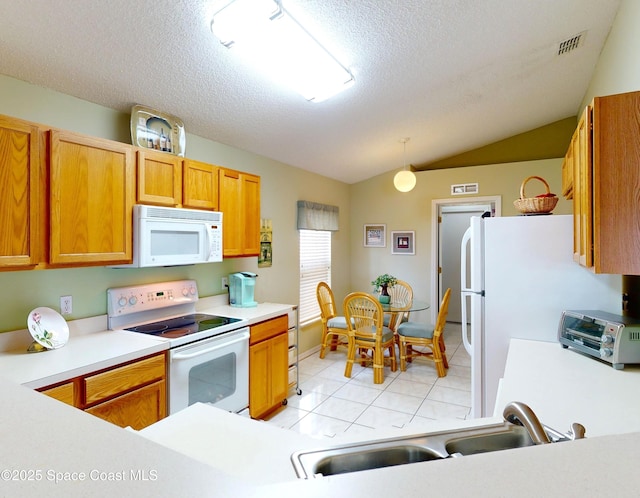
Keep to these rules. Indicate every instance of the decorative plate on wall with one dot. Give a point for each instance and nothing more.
(156, 130)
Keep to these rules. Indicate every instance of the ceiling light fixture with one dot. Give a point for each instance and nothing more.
(405, 180)
(267, 35)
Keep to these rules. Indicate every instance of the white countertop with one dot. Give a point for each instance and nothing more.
(90, 347)
(562, 386)
(205, 451)
(44, 439)
(264, 311)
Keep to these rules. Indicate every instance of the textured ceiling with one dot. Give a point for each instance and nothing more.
(452, 75)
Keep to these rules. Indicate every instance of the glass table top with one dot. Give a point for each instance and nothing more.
(416, 305)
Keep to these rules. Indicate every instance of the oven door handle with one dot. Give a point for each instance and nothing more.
(200, 352)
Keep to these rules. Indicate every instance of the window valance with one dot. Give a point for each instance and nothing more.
(315, 216)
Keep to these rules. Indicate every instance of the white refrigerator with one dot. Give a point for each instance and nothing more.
(519, 278)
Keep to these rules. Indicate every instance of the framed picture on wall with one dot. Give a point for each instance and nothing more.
(403, 242)
(375, 235)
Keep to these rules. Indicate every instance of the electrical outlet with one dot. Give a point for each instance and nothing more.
(66, 305)
(225, 282)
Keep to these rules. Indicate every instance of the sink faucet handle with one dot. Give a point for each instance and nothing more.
(577, 431)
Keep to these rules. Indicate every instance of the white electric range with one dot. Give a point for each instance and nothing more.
(208, 354)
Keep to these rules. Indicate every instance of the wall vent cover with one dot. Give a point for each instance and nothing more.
(464, 188)
(571, 44)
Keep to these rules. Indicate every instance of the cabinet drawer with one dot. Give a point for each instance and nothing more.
(270, 328)
(121, 379)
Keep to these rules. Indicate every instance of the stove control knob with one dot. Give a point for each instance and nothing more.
(605, 352)
(192, 290)
(133, 300)
(122, 301)
(185, 291)
(607, 339)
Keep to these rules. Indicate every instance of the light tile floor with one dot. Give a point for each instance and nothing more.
(332, 404)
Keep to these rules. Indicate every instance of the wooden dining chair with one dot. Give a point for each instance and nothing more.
(368, 335)
(401, 295)
(412, 334)
(334, 326)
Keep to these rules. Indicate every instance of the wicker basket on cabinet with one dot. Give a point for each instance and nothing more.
(535, 205)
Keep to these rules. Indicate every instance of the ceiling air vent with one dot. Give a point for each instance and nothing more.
(570, 44)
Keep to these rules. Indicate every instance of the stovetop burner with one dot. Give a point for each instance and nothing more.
(183, 325)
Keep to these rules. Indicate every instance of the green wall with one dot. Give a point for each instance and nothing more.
(371, 201)
(281, 187)
(618, 69)
(377, 201)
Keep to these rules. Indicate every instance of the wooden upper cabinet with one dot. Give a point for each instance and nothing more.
(606, 185)
(91, 200)
(20, 200)
(616, 184)
(159, 178)
(240, 205)
(199, 185)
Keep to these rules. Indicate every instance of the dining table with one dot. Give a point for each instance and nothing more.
(415, 305)
(395, 310)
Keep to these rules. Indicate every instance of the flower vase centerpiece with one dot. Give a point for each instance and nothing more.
(382, 284)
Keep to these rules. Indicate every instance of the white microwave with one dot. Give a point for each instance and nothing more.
(173, 236)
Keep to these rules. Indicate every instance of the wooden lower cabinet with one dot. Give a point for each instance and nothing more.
(268, 366)
(136, 409)
(133, 394)
(64, 393)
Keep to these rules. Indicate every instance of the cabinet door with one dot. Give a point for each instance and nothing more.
(260, 399)
(92, 191)
(616, 184)
(279, 368)
(64, 393)
(581, 152)
(136, 409)
(240, 205)
(231, 206)
(268, 374)
(159, 178)
(20, 199)
(199, 185)
(251, 201)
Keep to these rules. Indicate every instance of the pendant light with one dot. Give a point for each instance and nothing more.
(405, 180)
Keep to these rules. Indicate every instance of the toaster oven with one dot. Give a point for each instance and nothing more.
(612, 338)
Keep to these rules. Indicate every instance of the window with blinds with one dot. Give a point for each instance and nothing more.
(315, 267)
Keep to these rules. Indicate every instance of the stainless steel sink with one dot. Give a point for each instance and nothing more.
(410, 449)
(373, 458)
(471, 445)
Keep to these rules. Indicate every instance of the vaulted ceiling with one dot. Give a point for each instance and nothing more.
(453, 75)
